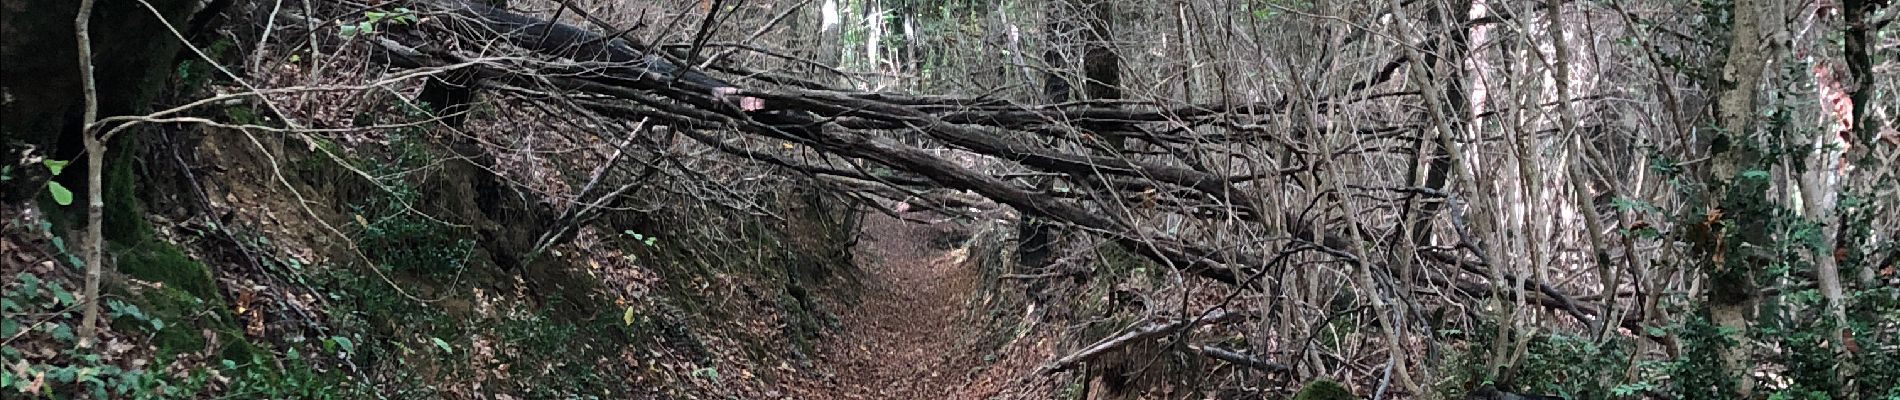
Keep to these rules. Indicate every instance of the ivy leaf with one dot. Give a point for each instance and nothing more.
(29, 284)
(60, 194)
(55, 166)
(345, 344)
(64, 297)
(62, 332)
(708, 372)
(442, 345)
(1755, 174)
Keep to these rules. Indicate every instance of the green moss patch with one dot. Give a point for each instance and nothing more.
(124, 218)
(163, 263)
(1324, 389)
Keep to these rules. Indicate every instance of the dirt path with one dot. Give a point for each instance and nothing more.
(900, 341)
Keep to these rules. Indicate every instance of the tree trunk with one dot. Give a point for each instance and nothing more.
(1737, 213)
(1101, 65)
(94, 246)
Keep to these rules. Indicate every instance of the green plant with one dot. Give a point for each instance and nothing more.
(194, 74)
(709, 372)
(1699, 373)
(121, 309)
(43, 310)
(404, 241)
(563, 348)
(60, 193)
(650, 241)
(297, 379)
(1573, 367)
(367, 26)
(395, 235)
(443, 345)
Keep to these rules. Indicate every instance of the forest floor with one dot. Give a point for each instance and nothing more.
(908, 333)
(900, 338)
(911, 334)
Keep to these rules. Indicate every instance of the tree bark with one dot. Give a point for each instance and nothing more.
(1737, 212)
(95, 159)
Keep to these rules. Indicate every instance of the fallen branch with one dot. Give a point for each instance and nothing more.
(1150, 331)
(1239, 358)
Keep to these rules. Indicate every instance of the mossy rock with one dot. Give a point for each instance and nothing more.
(1324, 389)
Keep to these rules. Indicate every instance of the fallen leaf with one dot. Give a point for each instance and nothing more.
(39, 380)
(244, 300)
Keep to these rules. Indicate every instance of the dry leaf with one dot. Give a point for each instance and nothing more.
(244, 298)
(39, 380)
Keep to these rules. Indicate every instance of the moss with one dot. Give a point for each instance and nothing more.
(161, 262)
(186, 318)
(173, 306)
(803, 326)
(124, 218)
(1324, 389)
(187, 300)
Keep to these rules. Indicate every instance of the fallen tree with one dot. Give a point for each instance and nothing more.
(616, 77)
(644, 85)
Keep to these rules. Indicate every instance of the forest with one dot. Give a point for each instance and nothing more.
(949, 199)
